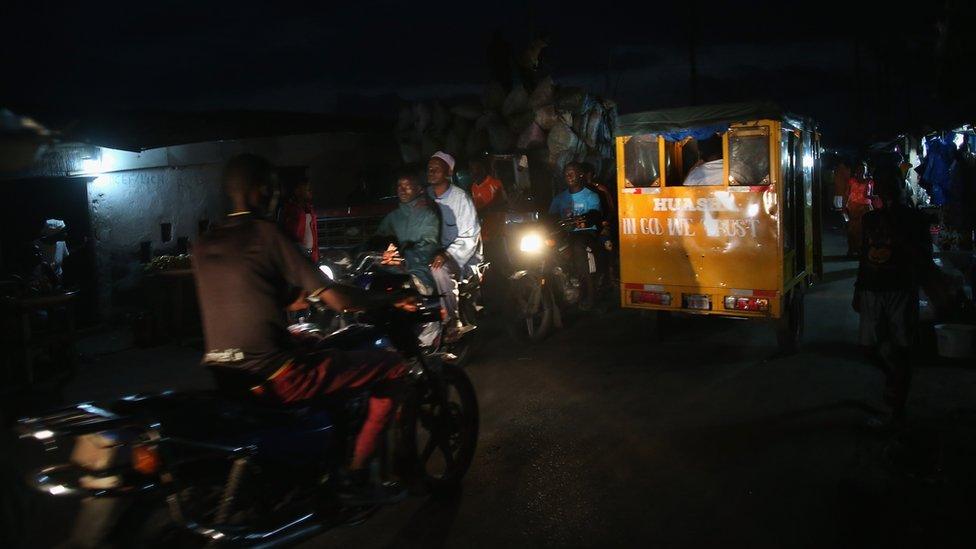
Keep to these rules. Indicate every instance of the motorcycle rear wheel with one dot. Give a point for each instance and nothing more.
(439, 439)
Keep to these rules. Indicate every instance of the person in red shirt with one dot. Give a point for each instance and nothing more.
(486, 191)
(488, 195)
(860, 191)
(299, 221)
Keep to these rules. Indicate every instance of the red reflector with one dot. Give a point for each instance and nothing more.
(746, 303)
(145, 459)
(651, 298)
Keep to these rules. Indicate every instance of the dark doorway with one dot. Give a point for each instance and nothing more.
(26, 204)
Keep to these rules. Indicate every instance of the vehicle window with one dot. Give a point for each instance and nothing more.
(697, 162)
(641, 161)
(749, 157)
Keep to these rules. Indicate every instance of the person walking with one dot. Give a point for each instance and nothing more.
(895, 258)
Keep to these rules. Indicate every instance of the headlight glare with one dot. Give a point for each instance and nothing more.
(531, 243)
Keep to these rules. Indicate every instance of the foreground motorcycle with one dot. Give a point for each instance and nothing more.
(368, 272)
(177, 469)
(542, 285)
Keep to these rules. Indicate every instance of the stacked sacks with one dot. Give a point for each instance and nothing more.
(570, 123)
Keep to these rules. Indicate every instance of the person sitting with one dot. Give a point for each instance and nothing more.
(709, 170)
(607, 201)
(247, 272)
(582, 205)
(411, 233)
(460, 236)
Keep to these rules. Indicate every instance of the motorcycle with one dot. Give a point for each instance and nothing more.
(542, 285)
(190, 468)
(369, 273)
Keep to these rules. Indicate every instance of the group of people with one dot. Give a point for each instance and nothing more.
(247, 271)
(436, 233)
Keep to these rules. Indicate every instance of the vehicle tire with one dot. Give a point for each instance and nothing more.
(525, 325)
(789, 326)
(439, 442)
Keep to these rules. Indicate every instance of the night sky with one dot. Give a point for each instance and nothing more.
(361, 57)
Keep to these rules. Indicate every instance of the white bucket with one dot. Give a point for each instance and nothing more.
(955, 340)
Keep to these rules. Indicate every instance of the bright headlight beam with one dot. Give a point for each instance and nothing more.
(530, 243)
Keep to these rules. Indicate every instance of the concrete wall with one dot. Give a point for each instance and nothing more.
(128, 207)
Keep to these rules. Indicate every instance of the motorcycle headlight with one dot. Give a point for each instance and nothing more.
(531, 243)
(327, 271)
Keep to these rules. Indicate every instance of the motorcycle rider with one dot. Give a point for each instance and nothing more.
(583, 206)
(412, 231)
(246, 273)
(460, 236)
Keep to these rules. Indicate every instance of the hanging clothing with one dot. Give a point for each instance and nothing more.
(938, 167)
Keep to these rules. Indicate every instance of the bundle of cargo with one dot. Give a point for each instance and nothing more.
(567, 122)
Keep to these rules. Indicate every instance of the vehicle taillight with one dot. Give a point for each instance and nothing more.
(737, 303)
(650, 298)
(145, 459)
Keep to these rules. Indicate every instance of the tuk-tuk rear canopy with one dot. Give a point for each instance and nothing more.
(702, 121)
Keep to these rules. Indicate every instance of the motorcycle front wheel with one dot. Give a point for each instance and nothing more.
(438, 436)
(531, 316)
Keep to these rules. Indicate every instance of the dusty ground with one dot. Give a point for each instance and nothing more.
(602, 436)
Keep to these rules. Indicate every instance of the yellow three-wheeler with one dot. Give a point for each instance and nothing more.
(719, 212)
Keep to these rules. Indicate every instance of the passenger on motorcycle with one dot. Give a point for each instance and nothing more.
(247, 272)
(460, 236)
(582, 206)
(411, 233)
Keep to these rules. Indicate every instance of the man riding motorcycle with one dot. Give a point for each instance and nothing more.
(582, 205)
(246, 273)
(411, 233)
(460, 236)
